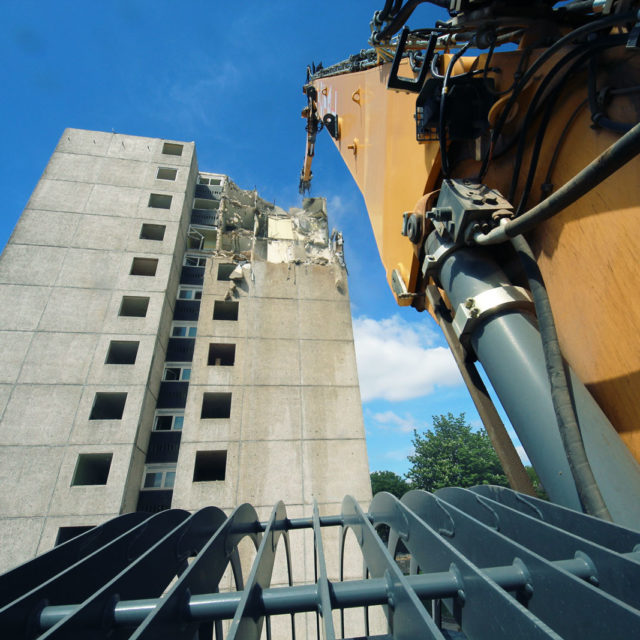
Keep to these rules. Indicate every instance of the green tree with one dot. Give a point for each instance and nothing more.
(535, 481)
(388, 481)
(452, 455)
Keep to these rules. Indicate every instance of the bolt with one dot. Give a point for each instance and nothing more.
(470, 303)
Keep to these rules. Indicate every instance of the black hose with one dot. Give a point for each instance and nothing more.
(602, 23)
(442, 128)
(598, 115)
(617, 155)
(586, 485)
(551, 101)
(403, 15)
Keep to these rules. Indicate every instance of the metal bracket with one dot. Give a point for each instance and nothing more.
(406, 84)
(399, 287)
(488, 303)
(433, 262)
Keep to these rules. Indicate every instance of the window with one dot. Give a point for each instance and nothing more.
(168, 421)
(225, 270)
(183, 330)
(68, 533)
(134, 306)
(225, 310)
(160, 201)
(166, 173)
(122, 352)
(172, 149)
(159, 476)
(210, 466)
(144, 267)
(176, 373)
(108, 406)
(221, 355)
(189, 293)
(91, 469)
(214, 182)
(194, 261)
(152, 232)
(206, 203)
(216, 405)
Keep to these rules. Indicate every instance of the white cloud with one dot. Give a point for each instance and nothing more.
(398, 360)
(393, 422)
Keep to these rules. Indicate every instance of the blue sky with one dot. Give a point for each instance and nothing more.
(229, 76)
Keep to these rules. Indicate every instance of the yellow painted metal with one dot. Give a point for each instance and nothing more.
(378, 144)
(588, 254)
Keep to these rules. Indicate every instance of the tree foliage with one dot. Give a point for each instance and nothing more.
(452, 455)
(389, 481)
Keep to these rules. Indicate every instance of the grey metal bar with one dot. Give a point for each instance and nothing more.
(204, 572)
(324, 597)
(549, 591)
(610, 571)
(509, 458)
(509, 347)
(410, 618)
(247, 621)
(425, 526)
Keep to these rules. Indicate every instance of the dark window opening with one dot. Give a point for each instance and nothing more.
(144, 267)
(134, 306)
(108, 406)
(221, 355)
(92, 469)
(225, 310)
(166, 173)
(122, 352)
(216, 405)
(68, 533)
(152, 232)
(160, 201)
(210, 466)
(225, 270)
(172, 149)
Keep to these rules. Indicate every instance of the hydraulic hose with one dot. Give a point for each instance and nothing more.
(602, 23)
(617, 155)
(583, 477)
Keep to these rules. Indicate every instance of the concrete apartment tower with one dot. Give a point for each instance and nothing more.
(169, 340)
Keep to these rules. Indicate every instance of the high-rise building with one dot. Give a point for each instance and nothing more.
(168, 340)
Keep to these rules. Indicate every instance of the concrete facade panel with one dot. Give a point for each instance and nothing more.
(39, 414)
(87, 142)
(63, 357)
(272, 413)
(25, 532)
(24, 264)
(22, 306)
(113, 201)
(272, 318)
(90, 269)
(5, 393)
(274, 465)
(321, 283)
(13, 347)
(27, 478)
(122, 374)
(73, 167)
(328, 362)
(325, 319)
(215, 430)
(80, 310)
(331, 413)
(275, 280)
(102, 232)
(121, 172)
(60, 195)
(53, 227)
(326, 463)
(273, 362)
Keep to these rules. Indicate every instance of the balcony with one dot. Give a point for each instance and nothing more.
(192, 275)
(154, 501)
(204, 218)
(186, 310)
(173, 395)
(163, 446)
(180, 349)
